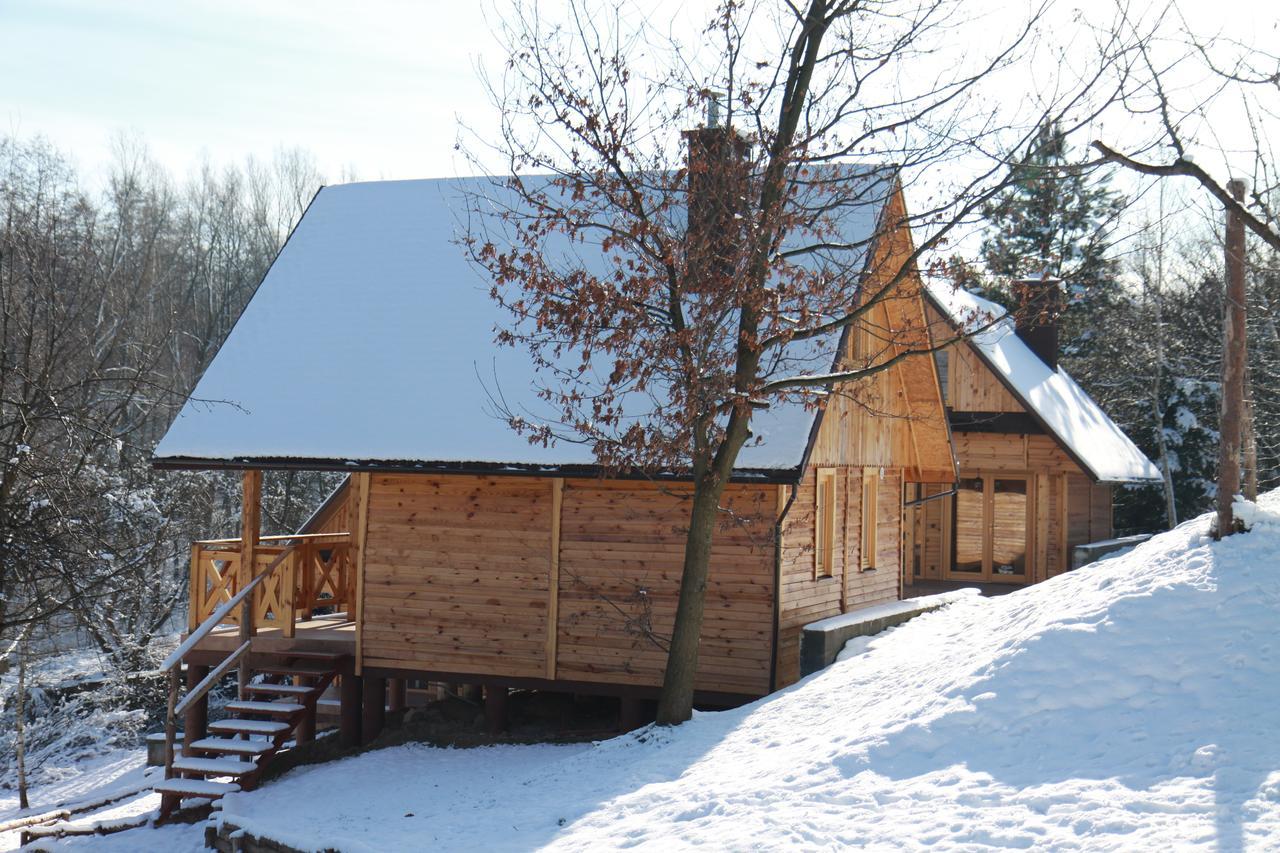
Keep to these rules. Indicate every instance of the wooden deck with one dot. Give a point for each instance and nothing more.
(335, 633)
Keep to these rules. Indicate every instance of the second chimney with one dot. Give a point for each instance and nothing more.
(717, 175)
(1039, 308)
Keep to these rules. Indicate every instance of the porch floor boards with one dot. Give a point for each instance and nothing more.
(334, 634)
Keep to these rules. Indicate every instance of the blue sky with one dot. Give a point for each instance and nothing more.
(373, 88)
(377, 87)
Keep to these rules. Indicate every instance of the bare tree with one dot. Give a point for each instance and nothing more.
(725, 283)
(1240, 73)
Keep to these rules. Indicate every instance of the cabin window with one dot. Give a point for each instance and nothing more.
(825, 527)
(870, 489)
(941, 358)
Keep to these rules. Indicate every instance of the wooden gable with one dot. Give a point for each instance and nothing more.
(894, 418)
(970, 386)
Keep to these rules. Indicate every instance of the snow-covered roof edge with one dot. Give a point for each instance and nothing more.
(1056, 401)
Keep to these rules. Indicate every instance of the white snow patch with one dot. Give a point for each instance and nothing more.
(1132, 704)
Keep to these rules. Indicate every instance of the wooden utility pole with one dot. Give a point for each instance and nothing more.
(1250, 440)
(1234, 351)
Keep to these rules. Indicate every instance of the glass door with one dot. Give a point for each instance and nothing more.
(967, 561)
(1010, 510)
(990, 520)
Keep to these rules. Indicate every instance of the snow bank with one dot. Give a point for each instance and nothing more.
(1132, 704)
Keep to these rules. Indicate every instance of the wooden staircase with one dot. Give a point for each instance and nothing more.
(277, 705)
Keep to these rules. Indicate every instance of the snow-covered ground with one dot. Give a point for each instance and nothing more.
(1134, 704)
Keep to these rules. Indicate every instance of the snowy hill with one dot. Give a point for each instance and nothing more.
(1131, 704)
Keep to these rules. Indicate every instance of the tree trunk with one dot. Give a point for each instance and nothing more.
(675, 705)
(1233, 362)
(20, 727)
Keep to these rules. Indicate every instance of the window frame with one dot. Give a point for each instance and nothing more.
(870, 524)
(826, 500)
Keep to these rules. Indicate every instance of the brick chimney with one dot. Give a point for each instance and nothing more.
(1039, 308)
(717, 186)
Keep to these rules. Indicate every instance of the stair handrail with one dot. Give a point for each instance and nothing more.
(173, 663)
(194, 695)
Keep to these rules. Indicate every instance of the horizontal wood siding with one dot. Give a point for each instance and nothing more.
(990, 451)
(458, 579)
(621, 558)
(806, 597)
(456, 574)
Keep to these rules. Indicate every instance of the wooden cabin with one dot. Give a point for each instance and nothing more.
(458, 551)
(1038, 459)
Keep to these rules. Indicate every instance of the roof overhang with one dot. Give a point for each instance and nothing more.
(1029, 407)
(786, 476)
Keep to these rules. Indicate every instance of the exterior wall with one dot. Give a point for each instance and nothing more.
(1066, 508)
(894, 417)
(541, 578)
(621, 559)
(892, 423)
(805, 596)
(971, 387)
(456, 574)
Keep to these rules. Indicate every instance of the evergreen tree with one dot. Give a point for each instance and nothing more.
(1056, 220)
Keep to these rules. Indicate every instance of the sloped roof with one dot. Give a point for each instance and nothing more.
(1052, 397)
(370, 342)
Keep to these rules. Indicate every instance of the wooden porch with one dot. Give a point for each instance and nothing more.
(334, 633)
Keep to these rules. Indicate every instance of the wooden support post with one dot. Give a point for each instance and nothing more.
(306, 731)
(631, 713)
(349, 692)
(395, 694)
(250, 531)
(495, 709)
(195, 722)
(553, 585)
(361, 482)
(375, 708)
(195, 589)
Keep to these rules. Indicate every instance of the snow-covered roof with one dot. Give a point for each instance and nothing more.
(1051, 396)
(371, 342)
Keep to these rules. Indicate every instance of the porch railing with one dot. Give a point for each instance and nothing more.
(315, 576)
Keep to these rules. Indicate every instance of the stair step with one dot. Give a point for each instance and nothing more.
(249, 706)
(232, 746)
(320, 656)
(279, 689)
(302, 668)
(214, 766)
(256, 727)
(195, 788)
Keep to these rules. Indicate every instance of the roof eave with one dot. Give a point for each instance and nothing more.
(787, 476)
